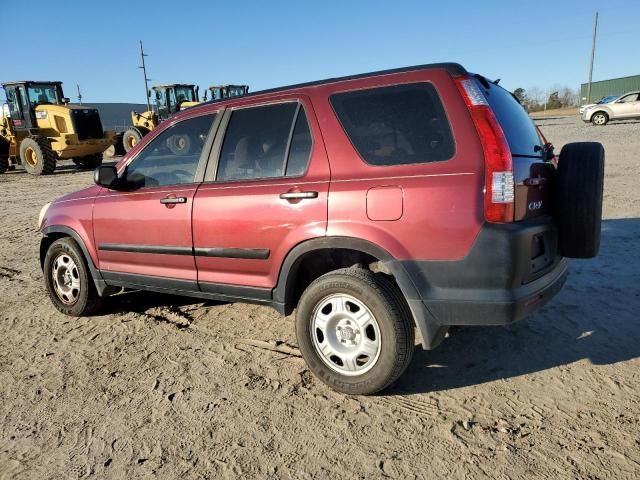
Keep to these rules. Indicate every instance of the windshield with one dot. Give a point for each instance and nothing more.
(227, 91)
(185, 94)
(40, 93)
(607, 99)
(237, 90)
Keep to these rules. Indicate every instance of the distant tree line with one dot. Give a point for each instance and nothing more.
(535, 98)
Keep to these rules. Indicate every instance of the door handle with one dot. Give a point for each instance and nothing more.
(298, 195)
(173, 200)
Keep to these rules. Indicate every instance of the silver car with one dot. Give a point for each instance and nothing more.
(607, 99)
(624, 108)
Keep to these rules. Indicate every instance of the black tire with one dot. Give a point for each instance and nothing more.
(88, 300)
(89, 162)
(600, 118)
(36, 155)
(393, 318)
(179, 144)
(131, 137)
(578, 199)
(4, 156)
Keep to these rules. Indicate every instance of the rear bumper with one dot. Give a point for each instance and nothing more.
(487, 307)
(511, 271)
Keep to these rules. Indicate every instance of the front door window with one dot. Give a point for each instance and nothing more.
(172, 157)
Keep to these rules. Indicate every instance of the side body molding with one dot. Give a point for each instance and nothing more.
(431, 332)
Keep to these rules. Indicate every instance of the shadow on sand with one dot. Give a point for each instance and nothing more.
(595, 317)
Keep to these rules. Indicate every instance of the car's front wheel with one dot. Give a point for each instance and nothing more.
(600, 118)
(68, 279)
(355, 331)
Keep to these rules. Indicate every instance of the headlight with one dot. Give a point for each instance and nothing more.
(43, 212)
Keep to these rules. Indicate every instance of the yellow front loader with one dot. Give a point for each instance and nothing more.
(169, 99)
(38, 127)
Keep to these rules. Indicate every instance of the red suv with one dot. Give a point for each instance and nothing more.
(373, 205)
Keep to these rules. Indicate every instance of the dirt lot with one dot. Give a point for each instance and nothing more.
(170, 387)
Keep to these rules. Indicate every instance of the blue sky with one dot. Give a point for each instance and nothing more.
(273, 43)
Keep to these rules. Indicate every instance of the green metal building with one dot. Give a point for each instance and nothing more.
(615, 86)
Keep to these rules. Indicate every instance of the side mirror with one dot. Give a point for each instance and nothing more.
(65, 100)
(105, 176)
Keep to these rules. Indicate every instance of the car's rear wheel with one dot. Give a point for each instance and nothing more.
(578, 199)
(355, 331)
(68, 279)
(600, 118)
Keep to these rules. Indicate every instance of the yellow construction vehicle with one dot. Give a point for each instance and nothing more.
(218, 92)
(38, 127)
(169, 99)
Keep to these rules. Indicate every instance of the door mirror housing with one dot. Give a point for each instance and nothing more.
(106, 176)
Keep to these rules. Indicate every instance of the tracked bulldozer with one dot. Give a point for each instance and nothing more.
(38, 127)
(169, 99)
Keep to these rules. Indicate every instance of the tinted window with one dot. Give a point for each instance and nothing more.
(396, 125)
(172, 157)
(518, 127)
(300, 147)
(260, 141)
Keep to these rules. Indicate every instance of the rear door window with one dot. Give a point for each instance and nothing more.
(397, 125)
(518, 127)
(265, 142)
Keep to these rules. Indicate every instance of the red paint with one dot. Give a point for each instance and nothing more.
(430, 211)
(384, 203)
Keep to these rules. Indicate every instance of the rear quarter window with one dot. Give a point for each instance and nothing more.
(397, 125)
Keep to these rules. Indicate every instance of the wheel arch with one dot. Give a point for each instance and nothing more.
(287, 290)
(601, 110)
(52, 233)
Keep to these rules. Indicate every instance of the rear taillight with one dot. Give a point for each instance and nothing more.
(498, 165)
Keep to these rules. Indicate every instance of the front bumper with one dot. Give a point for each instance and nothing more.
(511, 271)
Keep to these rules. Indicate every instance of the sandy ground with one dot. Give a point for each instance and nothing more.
(167, 387)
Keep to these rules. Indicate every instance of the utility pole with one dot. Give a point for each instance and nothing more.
(79, 94)
(593, 52)
(144, 71)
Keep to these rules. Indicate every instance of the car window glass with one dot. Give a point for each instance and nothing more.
(256, 141)
(300, 148)
(396, 125)
(629, 98)
(172, 157)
